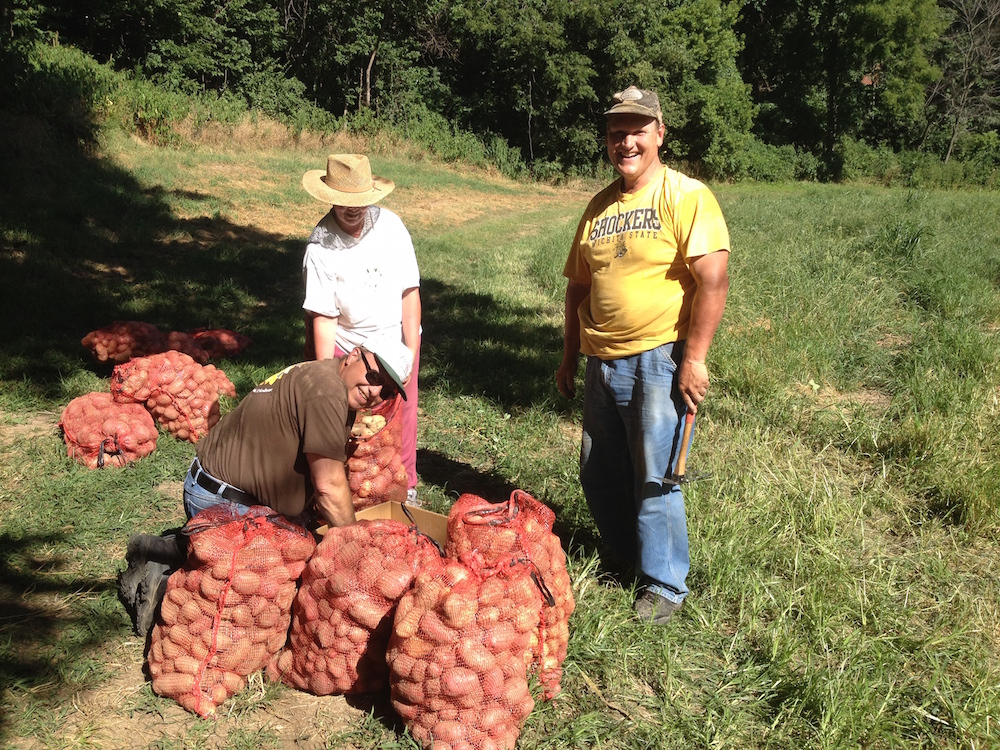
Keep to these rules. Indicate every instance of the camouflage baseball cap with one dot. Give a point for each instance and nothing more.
(636, 101)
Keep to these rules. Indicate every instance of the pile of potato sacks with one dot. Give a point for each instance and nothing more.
(123, 340)
(342, 618)
(521, 527)
(99, 431)
(181, 394)
(158, 378)
(454, 635)
(465, 639)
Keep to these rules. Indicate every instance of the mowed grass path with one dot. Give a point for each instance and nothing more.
(844, 541)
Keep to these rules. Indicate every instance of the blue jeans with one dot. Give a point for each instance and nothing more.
(197, 498)
(632, 415)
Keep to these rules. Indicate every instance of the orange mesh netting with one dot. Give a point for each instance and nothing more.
(342, 614)
(521, 526)
(122, 340)
(220, 342)
(460, 651)
(100, 432)
(226, 613)
(180, 393)
(179, 341)
(375, 468)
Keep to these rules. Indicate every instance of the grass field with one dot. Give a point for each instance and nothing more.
(845, 546)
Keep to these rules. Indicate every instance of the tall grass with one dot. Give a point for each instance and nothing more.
(844, 543)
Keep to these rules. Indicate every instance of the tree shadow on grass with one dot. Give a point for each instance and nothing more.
(83, 243)
(43, 633)
(457, 478)
(474, 344)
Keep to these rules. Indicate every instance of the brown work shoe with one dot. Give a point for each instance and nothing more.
(654, 608)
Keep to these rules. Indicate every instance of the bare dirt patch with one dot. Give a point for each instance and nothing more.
(452, 208)
(895, 342)
(420, 209)
(263, 135)
(747, 327)
(825, 397)
(15, 428)
(570, 431)
(125, 707)
(241, 177)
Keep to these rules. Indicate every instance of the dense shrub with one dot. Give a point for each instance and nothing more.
(980, 152)
(862, 161)
(66, 88)
(505, 157)
(441, 138)
(762, 162)
(976, 163)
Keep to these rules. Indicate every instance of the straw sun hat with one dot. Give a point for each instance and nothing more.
(347, 181)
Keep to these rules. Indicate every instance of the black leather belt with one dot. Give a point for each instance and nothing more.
(210, 483)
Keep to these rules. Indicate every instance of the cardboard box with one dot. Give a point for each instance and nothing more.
(432, 524)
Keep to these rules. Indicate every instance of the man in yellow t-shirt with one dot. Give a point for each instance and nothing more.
(647, 285)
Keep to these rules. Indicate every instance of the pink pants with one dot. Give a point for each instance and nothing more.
(409, 449)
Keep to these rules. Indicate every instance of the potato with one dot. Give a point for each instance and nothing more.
(173, 684)
(459, 681)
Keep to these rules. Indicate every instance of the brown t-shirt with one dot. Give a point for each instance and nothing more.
(261, 446)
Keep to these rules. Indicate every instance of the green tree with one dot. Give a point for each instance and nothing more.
(687, 52)
(189, 45)
(967, 95)
(825, 71)
(354, 57)
(540, 72)
(18, 34)
(522, 71)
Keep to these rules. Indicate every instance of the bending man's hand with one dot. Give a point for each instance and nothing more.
(333, 493)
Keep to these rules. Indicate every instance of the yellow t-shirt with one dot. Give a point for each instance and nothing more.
(634, 251)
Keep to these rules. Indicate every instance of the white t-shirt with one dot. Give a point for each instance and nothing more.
(360, 281)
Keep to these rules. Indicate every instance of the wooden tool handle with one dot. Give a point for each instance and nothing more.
(682, 458)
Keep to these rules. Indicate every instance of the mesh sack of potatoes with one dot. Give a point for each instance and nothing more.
(181, 394)
(226, 613)
(521, 526)
(342, 613)
(100, 432)
(375, 468)
(179, 341)
(220, 342)
(122, 340)
(460, 652)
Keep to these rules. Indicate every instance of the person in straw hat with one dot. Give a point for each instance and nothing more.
(361, 278)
